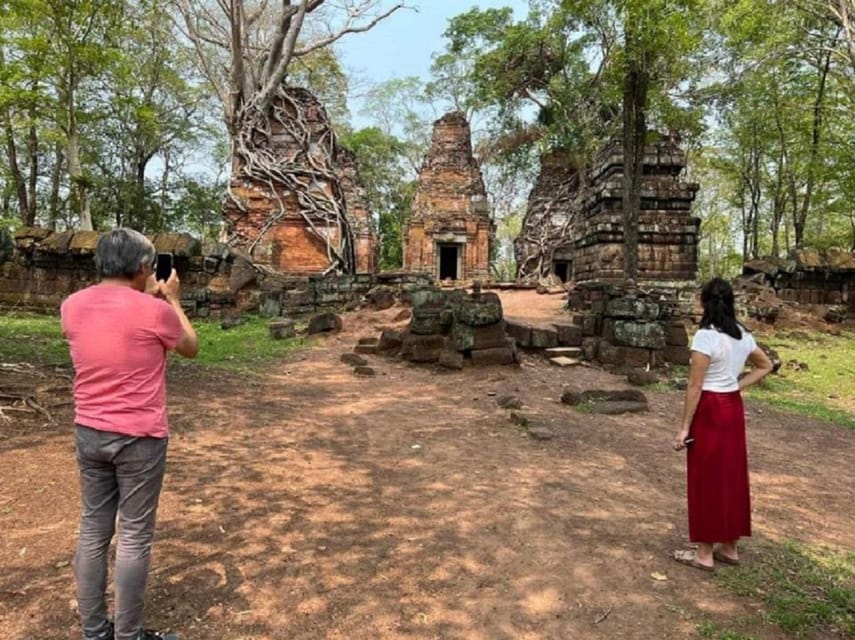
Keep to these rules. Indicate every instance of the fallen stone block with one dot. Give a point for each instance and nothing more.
(368, 349)
(509, 402)
(499, 355)
(519, 330)
(574, 398)
(390, 341)
(422, 348)
(540, 433)
(616, 407)
(543, 337)
(569, 335)
(324, 323)
(466, 337)
(562, 361)
(230, 322)
(450, 359)
(353, 360)
(364, 372)
(381, 297)
(281, 329)
(641, 378)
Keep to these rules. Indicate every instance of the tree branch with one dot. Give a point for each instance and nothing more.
(324, 42)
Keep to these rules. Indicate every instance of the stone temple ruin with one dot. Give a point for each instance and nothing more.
(574, 224)
(545, 243)
(322, 223)
(450, 231)
(809, 277)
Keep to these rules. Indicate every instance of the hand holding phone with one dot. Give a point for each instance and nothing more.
(164, 267)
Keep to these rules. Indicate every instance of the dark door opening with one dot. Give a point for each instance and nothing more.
(561, 269)
(448, 262)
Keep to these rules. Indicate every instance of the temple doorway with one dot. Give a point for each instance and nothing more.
(449, 261)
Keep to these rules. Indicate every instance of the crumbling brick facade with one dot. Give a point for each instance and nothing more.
(588, 206)
(40, 268)
(266, 220)
(667, 231)
(545, 243)
(810, 277)
(450, 231)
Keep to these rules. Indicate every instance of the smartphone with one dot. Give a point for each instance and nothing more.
(164, 266)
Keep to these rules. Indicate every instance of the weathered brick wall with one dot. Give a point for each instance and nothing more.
(667, 233)
(450, 206)
(810, 277)
(264, 220)
(39, 269)
(47, 267)
(545, 234)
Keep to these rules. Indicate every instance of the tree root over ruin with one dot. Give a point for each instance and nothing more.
(294, 156)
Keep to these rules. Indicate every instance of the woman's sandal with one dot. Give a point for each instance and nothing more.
(689, 558)
(718, 556)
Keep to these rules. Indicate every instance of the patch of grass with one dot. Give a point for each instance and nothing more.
(709, 630)
(244, 347)
(808, 589)
(32, 338)
(37, 339)
(822, 390)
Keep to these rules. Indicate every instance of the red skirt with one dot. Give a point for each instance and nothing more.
(717, 470)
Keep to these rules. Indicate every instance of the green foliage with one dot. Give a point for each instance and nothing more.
(37, 339)
(383, 169)
(709, 630)
(823, 390)
(810, 590)
(104, 84)
(245, 347)
(32, 339)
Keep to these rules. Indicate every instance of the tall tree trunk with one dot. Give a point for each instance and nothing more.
(139, 191)
(635, 88)
(79, 200)
(33, 151)
(55, 183)
(15, 170)
(818, 113)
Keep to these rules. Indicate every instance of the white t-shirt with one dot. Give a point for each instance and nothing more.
(727, 357)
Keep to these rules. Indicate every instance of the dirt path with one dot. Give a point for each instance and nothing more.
(309, 504)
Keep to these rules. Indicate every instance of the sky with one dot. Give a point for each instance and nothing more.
(403, 44)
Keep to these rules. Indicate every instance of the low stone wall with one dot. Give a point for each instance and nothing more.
(628, 327)
(40, 268)
(810, 277)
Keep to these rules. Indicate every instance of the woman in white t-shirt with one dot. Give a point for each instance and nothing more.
(713, 431)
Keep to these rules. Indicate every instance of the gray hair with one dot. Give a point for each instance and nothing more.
(120, 253)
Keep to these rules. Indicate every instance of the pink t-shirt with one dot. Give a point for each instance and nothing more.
(118, 338)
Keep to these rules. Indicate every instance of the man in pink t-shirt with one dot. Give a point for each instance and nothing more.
(118, 333)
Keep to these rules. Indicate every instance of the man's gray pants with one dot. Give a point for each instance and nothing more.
(121, 475)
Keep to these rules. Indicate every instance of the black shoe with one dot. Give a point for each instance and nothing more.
(156, 635)
(106, 634)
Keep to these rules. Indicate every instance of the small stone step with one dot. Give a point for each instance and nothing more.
(369, 349)
(563, 361)
(567, 352)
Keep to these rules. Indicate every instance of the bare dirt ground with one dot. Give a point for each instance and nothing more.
(305, 503)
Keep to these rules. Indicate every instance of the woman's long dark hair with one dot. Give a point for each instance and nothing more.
(717, 298)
